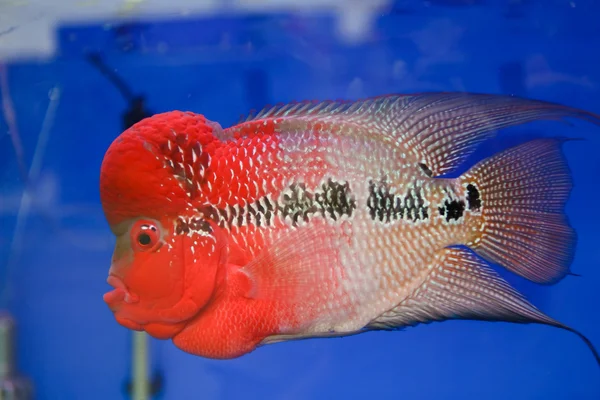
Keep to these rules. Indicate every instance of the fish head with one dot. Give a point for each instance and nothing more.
(168, 257)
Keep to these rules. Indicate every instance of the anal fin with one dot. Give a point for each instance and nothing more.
(461, 286)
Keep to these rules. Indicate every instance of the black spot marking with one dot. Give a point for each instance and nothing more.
(453, 209)
(200, 224)
(270, 210)
(473, 197)
(185, 226)
(296, 203)
(335, 199)
(426, 169)
(387, 207)
(185, 159)
(332, 201)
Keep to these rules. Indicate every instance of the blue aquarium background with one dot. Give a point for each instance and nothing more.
(56, 246)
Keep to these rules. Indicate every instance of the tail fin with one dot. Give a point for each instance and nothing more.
(522, 193)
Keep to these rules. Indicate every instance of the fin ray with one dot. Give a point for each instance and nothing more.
(461, 286)
(523, 192)
(296, 266)
(440, 129)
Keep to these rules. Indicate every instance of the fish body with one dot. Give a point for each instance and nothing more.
(331, 219)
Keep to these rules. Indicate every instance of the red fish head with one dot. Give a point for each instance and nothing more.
(167, 258)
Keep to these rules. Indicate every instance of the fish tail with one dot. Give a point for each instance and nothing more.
(520, 195)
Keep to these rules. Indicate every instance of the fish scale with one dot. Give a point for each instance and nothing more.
(305, 164)
(302, 151)
(324, 219)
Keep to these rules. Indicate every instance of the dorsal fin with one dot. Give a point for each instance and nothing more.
(440, 129)
(301, 108)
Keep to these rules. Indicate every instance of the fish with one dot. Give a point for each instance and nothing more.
(321, 219)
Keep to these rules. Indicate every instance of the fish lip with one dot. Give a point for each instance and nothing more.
(119, 293)
(115, 282)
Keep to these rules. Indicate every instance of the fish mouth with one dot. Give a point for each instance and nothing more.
(120, 293)
(122, 303)
(119, 297)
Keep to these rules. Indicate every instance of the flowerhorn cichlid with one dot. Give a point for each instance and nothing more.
(328, 219)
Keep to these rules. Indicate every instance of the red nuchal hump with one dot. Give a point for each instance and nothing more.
(155, 167)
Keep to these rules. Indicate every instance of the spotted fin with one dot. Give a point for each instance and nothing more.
(523, 192)
(461, 286)
(439, 129)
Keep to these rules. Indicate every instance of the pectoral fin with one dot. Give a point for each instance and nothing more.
(298, 267)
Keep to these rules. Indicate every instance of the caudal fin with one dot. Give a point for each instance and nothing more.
(521, 194)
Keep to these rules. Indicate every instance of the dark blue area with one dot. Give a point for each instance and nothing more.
(223, 67)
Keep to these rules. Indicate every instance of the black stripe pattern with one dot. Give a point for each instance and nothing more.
(296, 204)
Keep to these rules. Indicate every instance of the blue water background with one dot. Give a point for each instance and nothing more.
(223, 66)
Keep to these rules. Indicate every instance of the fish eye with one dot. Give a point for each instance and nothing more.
(145, 235)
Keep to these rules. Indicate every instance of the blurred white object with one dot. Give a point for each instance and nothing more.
(27, 26)
(139, 364)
